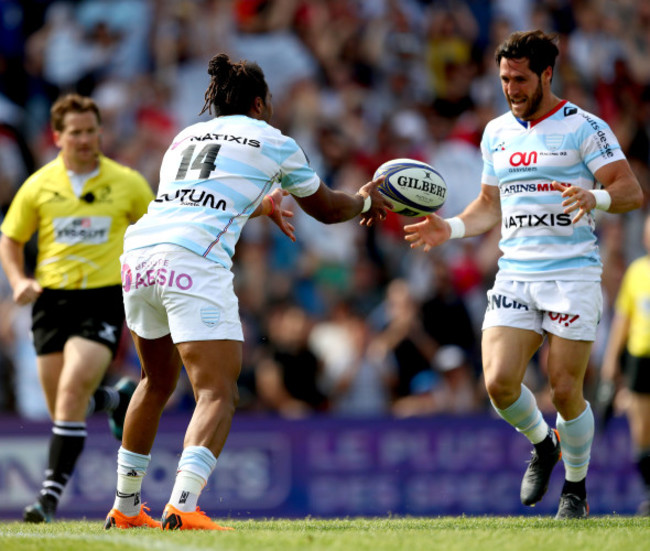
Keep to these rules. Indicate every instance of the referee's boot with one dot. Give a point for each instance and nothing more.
(40, 511)
(125, 387)
(535, 482)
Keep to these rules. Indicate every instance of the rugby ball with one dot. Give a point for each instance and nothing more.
(415, 188)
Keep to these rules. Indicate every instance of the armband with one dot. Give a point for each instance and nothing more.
(272, 205)
(603, 198)
(457, 227)
(367, 203)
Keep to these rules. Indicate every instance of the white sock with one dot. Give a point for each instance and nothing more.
(131, 468)
(194, 468)
(186, 492)
(525, 416)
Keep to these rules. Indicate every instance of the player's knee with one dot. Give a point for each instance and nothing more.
(501, 390)
(222, 402)
(235, 397)
(224, 391)
(71, 400)
(159, 388)
(564, 395)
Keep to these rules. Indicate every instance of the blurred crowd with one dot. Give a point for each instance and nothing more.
(348, 320)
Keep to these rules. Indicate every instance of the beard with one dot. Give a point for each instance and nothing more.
(535, 102)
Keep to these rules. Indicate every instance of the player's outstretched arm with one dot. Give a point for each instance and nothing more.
(271, 206)
(333, 206)
(429, 233)
(480, 216)
(379, 203)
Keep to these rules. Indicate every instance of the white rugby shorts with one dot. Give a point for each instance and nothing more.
(568, 309)
(168, 289)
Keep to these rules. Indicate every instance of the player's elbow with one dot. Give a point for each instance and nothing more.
(632, 200)
(630, 197)
(637, 198)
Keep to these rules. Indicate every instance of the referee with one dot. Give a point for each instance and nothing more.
(630, 333)
(80, 204)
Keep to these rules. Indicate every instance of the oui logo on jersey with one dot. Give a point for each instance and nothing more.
(532, 161)
(526, 158)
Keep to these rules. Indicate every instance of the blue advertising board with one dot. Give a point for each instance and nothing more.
(327, 467)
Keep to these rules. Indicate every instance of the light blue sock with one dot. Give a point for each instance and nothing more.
(525, 416)
(576, 437)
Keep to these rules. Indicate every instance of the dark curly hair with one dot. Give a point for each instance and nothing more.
(233, 86)
(539, 48)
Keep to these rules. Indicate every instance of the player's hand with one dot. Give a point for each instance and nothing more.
(279, 215)
(575, 198)
(429, 233)
(380, 204)
(26, 291)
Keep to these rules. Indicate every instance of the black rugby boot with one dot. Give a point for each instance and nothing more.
(535, 482)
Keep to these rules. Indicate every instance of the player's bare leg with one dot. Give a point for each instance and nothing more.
(161, 367)
(567, 365)
(213, 368)
(506, 354)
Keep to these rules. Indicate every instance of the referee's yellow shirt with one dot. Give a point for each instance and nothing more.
(633, 302)
(79, 240)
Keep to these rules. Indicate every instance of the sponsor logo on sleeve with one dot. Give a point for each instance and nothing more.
(599, 137)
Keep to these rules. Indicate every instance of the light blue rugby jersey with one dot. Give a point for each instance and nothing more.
(212, 177)
(538, 241)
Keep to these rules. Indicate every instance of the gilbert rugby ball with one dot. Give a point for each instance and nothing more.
(415, 188)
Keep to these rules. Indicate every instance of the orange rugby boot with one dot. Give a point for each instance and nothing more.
(173, 519)
(116, 519)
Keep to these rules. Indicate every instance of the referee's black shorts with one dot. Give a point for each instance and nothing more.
(637, 373)
(94, 314)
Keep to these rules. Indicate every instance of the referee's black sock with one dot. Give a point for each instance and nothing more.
(66, 444)
(105, 398)
(643, 464)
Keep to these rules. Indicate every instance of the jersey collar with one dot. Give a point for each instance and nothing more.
(529, 124)
(64, 168)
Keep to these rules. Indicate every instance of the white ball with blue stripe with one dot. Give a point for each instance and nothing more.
(415, 188)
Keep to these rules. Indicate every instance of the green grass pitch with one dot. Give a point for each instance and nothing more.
(355, 534)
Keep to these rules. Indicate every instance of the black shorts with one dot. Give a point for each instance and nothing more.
(637, 373)
(94, 314)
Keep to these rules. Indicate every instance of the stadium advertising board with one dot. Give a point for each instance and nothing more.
(327, 467)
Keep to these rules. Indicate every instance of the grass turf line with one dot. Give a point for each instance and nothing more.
(377, 534)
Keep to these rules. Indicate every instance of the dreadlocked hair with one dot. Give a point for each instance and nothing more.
(233, 86)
